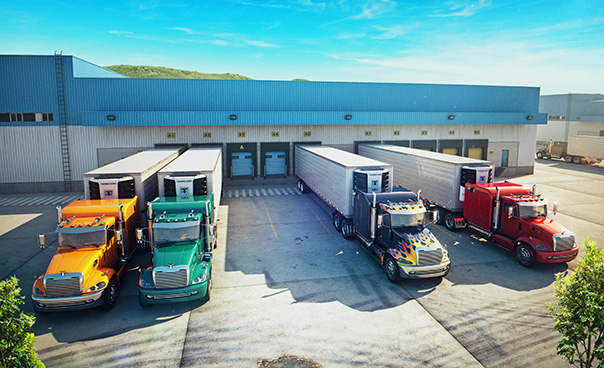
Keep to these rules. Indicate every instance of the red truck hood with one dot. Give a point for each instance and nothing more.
(545, 224)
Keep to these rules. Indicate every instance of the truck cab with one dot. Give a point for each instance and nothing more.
(391, 227)
(517, 219)
(182, 238)
(95, 239)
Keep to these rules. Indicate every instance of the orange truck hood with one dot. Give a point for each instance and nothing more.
(75, 259)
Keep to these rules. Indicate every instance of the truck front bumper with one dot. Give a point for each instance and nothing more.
(163, 296)
(557, 257)
(68, 303)
(422, 272)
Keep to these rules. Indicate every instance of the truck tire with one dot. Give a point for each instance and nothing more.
(540, 155)
(337, 221)
(347, 229)
(449, 221)
(577, 160)
(109, 295)
(568, 159)
(525, 255)
(392, 270)
(208, 288)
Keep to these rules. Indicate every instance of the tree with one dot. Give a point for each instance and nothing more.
(16, 342)
(579, 315)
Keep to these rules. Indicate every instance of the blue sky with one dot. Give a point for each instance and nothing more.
(555, 45)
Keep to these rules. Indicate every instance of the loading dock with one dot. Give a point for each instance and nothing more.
(241, 160)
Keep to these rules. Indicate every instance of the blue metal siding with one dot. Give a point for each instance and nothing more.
(168, 102)
(85, 69)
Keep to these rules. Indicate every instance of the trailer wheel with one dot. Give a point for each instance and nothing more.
(337, 221)
(539, 155)
(109, 295)
(525, 255)
(450, 221)
(392, 270)
(577, 160)
(568, 159)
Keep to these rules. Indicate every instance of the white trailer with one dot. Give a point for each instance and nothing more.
(585, 149)
(196, 172)
(135, 175)
(333, 175)
(440, 177)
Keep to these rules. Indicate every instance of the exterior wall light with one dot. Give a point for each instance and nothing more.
(348, 117)
(233, 117)
(451, 117)
(110, 117)
(530, 117)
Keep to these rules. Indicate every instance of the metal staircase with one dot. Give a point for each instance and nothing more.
(63, 121)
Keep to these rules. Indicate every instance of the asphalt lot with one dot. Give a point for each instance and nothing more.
(285, 283)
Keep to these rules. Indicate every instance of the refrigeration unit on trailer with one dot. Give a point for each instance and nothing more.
(135, 175)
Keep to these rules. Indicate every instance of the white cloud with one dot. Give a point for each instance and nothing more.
(464, 10)
(121, 32)
(389, 33)
(374, 9)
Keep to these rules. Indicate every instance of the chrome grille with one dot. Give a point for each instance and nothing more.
(429, 257)
(171, 277)
(563, 242)
(69, 284)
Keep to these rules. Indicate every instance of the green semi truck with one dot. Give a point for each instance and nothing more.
(181, 239)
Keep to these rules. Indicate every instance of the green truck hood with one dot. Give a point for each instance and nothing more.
(175, 254)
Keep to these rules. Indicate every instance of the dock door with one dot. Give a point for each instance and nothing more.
(274, 163)
(241, 160)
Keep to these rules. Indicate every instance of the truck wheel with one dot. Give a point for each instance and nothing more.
(302, 186)
(577, 160)
(347, 230)
(568, 159)
(337, 221)
(208, 288)
(539, 155)
(450, 221)
(109, 295)
(525, 255)
(392, 270)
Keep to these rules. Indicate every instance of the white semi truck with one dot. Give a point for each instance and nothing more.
(440, 177)
(134, 175)
(389, 225)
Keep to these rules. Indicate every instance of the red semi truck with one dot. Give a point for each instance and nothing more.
(514, 217)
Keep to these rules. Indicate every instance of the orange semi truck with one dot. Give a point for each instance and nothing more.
(95, 240)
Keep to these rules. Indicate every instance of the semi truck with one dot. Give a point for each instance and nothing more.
(197, 172)
(510, 215)
(132, 176)
(95, 240)
(580, 149)
(441, 177)
(391, 226)
(181, 245)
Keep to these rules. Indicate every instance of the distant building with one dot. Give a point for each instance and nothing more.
(61, 116)
(571, 114)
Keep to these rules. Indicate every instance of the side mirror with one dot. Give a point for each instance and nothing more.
(555, 208)
(510, 211)
(42, 241)
(119, 236)
(139, 236)
(435, 216)
(380, 219)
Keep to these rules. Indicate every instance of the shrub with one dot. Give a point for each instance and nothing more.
(16, 342)
(579, 316)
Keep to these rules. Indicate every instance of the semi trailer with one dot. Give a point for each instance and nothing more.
(391, 226)
(95, 240)
(510, 215)
(132, 176)
(580, 149)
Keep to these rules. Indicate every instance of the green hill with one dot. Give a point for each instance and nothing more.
(142, 71)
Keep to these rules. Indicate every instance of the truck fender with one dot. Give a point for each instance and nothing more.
(524, 239)
(110, 273)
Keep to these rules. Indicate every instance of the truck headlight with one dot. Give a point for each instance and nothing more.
(200, 279)
(98, 286)
(146, 284)
(38, 291)
(541, 247)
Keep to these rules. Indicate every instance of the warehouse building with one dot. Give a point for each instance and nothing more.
(571, 114)
(61, 116)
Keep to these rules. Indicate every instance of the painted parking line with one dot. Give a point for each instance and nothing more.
(37, 201)
(270, 220)
(261, 192)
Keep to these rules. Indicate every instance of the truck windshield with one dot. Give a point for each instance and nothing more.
(533, 211)
(81, 237)
(164, 235)
(405, 220)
